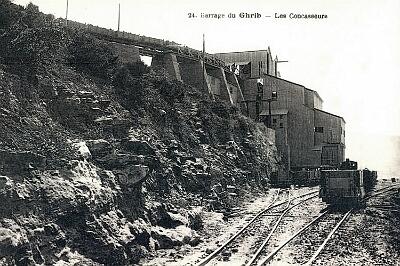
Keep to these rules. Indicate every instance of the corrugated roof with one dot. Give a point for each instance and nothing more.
(322, 111)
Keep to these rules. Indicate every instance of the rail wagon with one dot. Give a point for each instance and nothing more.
(370, 179)
(306, 177)
(281, 178)
(342, 187)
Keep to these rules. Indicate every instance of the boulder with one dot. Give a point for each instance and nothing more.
(64, 92)
(132, 174)
(158, 215)
(195, 219)
(138, 146)
(86, 94)
(14, 242)
(135, 253)
(99, 147)
(210, 250)
(165, 240)
(82, 149)
(173, 144)
(192, 240)
(3, 181)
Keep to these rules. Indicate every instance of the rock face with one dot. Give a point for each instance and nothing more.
(102, 169)
(22, 161)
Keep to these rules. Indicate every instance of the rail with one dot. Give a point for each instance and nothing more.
(321, 247)
(269, 207)
(382, 191)
(275, 251)
(261, 248)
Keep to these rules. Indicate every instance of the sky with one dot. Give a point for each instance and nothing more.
(351, 58)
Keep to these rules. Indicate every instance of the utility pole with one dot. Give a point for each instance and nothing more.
(269, 122)
(66, 15)
(119, 15)
(276, 64)
(269, 100)
(204, 61)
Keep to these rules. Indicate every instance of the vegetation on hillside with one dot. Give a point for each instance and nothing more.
(77, 131)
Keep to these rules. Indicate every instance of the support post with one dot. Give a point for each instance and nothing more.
(204, 61)
(269, 113)
(66, 15)
(119, 15)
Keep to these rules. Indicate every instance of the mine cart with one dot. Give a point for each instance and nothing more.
(342, 187)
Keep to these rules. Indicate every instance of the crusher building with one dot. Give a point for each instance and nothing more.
(307, 137)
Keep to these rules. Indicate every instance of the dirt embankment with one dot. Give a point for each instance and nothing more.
(101, 163)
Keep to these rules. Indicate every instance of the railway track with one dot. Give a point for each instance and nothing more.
(383, 191)
(319, 232)
(315, 235)
(284, 213)
(262, 224)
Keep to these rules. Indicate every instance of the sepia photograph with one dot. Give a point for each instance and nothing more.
(184, 132)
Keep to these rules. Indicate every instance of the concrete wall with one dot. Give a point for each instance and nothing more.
(249, 90)
(218, 83)
(170, 63)
(233, 90)
(296, 138)
(309, 98)
(279, 120)
(192, 73)
(215, 84)
(215, 80)
(126, 53)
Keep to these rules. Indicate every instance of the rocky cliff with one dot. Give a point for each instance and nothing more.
(100, 162)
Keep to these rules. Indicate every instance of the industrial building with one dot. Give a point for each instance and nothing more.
(251, 64)
(306, 136)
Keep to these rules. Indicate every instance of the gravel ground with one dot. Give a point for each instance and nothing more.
(296, 219)
(371, 236)
(217, 231)
(241, 249)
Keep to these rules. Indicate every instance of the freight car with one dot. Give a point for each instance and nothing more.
(346, 185)
(281, 178)
(306, 177)
(342, 187)
(370, 179)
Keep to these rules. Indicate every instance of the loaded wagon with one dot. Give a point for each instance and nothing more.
(342, 187)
